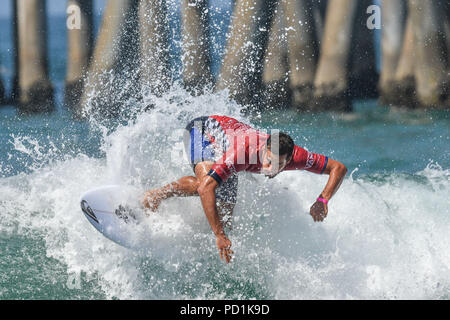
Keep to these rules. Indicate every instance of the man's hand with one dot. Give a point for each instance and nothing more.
(152, 200)
(319, 211)
(224, 246)
(337, 171)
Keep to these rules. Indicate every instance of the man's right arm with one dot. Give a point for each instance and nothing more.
(206, 191)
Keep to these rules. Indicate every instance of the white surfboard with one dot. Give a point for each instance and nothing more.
(113, 211)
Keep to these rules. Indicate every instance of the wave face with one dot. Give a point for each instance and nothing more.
(386, 235)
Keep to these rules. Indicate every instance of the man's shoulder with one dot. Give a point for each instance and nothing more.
(223, 118)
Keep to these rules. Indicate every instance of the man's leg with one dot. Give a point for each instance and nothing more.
(183, 187)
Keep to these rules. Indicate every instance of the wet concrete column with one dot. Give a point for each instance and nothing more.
(276, 91)
(392, 29)
(447, 34)
(364, 75)
(35, 89)
(2, 93)
(196, 56)
(302, 50)
(79, 49)
(241, 71)
(98, 92)
(319, 8)
(331, 81)
(430, 52)
(447, 28)
(404, 94)
(15, 36)
(447, 38)
(154, 41)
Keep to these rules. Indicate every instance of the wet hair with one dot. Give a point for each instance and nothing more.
(285, 144)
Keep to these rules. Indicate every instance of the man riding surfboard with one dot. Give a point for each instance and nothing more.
(219, 147)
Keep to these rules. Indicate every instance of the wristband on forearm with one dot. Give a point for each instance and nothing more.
(322, 200)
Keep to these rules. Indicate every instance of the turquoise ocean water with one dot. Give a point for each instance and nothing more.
(386, 235)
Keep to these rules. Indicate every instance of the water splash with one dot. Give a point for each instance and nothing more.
(385, 235)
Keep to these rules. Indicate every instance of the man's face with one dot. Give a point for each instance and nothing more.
(273, 164)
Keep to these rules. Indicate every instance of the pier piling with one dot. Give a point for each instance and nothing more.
(241, 71)
(302, 50)
(276, 91)
(35, 92)
(393, 31)
(319, 8)
(363, 73)
(14, 96)
(195, 45)
(154, 46)
(2, 93)
(404, 88)
(312, 55)
(331, 80)
(430, 52)
(109, 56)
(79, 51)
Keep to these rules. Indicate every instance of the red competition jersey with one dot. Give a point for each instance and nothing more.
(246, 147)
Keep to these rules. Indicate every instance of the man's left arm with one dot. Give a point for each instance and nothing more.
(336, 170)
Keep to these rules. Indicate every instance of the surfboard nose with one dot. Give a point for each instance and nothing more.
(88, 211)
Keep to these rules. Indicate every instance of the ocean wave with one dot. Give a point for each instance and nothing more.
(385, 236)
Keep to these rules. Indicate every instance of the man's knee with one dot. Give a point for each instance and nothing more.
(191, 180)
(202, 169)
(185, 186)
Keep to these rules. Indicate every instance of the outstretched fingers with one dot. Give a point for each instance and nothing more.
(226, 254)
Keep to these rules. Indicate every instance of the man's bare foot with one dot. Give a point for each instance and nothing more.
(152, 200)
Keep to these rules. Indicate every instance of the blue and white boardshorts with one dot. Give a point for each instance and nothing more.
(198, 146)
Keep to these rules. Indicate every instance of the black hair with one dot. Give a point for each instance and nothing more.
(285, 144)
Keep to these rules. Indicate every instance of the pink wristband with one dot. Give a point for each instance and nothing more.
(322, 200)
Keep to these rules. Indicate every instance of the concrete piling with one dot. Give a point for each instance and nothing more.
(276, 92)
(79, 49)
(308, 54)
(154, 46)
(108, 57)
(430, 52)
(319, 8)
(393, 30)
(35, 92)
(15, 35)
(404, 93)
(195, 45)
(447, 34)
(447, 38)
(241, 71)
(447, 28)
(302, 50)
(331, 80)
(363, 76)
(2, 93)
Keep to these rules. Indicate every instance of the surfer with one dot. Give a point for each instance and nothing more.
(219, 147)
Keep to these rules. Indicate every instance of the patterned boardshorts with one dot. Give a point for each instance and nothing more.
(205, 140)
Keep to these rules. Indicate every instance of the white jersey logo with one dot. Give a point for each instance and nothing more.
(309, 161)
